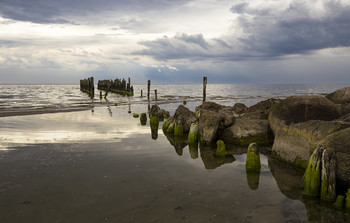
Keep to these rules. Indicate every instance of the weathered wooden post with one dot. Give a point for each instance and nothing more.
(148, 88)
(155, 94)
(100, 94)
(204, 88)
(141, 93)
(129, 86)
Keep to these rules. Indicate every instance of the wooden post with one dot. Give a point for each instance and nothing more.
(141, 93)
(204, 88)
(148, 88)
(155, 93)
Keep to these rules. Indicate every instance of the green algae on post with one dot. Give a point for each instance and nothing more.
(220, 149)
(154, 122)
(312, 176)
(347, 199)
(193, 133)
(339, 203)
(184, 102)
(143, 118)
(253, 158)
(253, 166)
(193, 149)
(135, 115)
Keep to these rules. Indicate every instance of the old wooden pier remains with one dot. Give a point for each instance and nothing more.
(117, 86)
(87, 86)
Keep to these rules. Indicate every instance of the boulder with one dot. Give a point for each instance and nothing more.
(182, 120)
(160, 113)
(303, 108)
(298, 141)
(213, 119)
(239, 108)
(260, 110)
(300, 122)
(341, 96)
(246, 131)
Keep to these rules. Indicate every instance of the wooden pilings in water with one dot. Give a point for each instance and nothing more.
(87, 86)
(204, 88)
(148, 88)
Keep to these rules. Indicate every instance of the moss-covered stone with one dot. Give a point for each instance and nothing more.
(220, 149)
(340, 201)
(135, 115)
(253, 158)
(347, 200)
(300, 163)
(312, 176)
(154, 122)
(143, 119)
(178, 130)
(193, 134)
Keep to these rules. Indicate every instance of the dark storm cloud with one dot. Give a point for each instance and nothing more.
(294, 31)
(267, 33)
(57, 11)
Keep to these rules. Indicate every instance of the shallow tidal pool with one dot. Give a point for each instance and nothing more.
(102, 165)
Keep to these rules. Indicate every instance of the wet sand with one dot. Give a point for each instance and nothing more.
(123, 175)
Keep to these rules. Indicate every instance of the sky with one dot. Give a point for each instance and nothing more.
(175, 41)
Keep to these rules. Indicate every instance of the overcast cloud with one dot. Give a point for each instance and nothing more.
(175, 41)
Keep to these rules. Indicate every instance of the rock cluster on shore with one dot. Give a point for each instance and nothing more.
(294, 127)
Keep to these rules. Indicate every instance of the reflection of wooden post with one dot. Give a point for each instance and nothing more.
(148, 88)
(155, 93)
(141, 93)
(204, 88)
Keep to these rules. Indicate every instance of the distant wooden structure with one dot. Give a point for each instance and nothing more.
(87, 86)
(117, 86)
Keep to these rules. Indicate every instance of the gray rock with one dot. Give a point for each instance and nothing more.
(160, 113)
(303, 108)
(183, 117)
(213, 119)
(239, 108)
(246, 131)
(299, 140)
(260, 110)
(341, 96)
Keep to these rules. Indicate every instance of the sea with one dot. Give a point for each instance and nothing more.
(26, 99)
(66, 157)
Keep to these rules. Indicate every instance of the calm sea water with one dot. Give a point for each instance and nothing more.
(27, 98)
(101, 165)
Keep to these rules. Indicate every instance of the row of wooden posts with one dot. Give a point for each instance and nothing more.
(87, 85)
